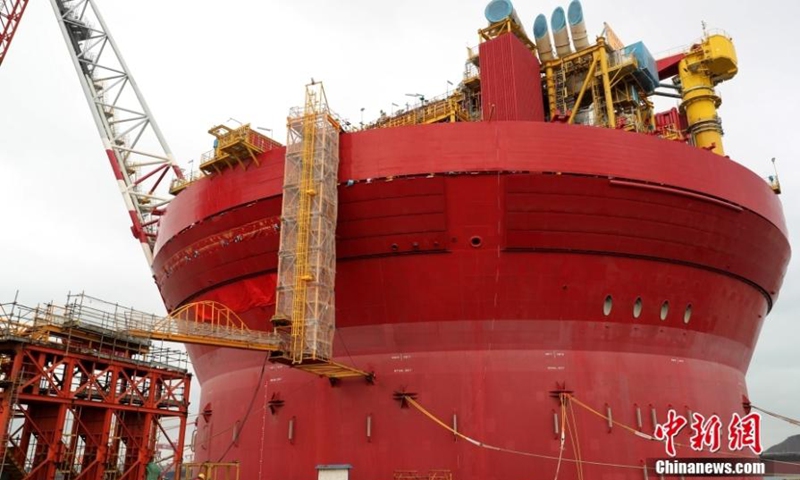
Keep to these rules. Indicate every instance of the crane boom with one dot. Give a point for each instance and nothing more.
(139, 155)
(10, 14)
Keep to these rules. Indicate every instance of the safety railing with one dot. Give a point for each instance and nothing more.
(107, 329)
(189, 177)
(438, 109)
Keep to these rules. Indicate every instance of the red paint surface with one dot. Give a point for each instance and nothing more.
(486, 330)
(511, 86)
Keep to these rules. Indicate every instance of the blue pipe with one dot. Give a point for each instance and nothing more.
(540, 27)
(498, 10)
(559, 20)
(575, 12)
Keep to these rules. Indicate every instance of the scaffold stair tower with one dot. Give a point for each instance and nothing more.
(305, 309)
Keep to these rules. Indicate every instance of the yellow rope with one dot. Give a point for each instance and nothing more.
(677, 444)
(436, 420)
(577, 442)
(578, 461)
(778, 416)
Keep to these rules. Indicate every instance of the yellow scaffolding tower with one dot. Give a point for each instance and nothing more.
(307, 256)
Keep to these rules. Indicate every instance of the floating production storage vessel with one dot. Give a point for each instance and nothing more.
(540, 233)
(538, 260)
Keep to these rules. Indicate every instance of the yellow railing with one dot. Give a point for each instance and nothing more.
(235, 147)
(447, 109)
(206, 323)
(179, 184)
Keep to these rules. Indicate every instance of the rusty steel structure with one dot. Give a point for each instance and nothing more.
(83, 402)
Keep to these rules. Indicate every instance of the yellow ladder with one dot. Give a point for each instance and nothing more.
(307, 193)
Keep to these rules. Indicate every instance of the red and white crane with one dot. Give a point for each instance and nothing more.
(10, 14)
(140, 157)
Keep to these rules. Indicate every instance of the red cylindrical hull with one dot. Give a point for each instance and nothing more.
(485, 268)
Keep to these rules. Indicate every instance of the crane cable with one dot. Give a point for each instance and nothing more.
(477, 443)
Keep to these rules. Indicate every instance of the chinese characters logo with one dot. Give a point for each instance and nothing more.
(743, 432)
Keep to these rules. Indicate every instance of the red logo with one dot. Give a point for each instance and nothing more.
(666, 432)
(743, 432)
(705, 432)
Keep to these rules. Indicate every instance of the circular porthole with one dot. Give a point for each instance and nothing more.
(476, 241)
(607, 305)
(664, 310)
(687, 314)
(637, 307)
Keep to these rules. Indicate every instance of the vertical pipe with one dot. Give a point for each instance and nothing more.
(639, 418)
(612, 121)
(541, 36)
(555, 423)
(699, 71)
(551, 89)
(369, 428)
(653, 416)
(558, 21)
(291, 430)
(589, 79)
(577, 25)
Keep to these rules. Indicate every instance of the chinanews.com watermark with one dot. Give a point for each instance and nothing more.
(743, 433)
(708, 467)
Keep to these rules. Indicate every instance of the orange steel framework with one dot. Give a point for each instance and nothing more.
(79, 402)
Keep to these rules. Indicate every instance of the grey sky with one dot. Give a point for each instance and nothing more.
(202, 62)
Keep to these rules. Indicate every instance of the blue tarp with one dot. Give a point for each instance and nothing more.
(647, 73)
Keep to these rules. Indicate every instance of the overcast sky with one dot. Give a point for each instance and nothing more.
(201, 62)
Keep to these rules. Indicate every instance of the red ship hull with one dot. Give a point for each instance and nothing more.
(486, 267)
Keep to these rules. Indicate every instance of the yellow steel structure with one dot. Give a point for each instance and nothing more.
(209, 470)
(448, 109)
(598, 86)
(507, 25)
(200, 323)
(707, 63)
(588, 68)
(204, 323)
(601, 81)
(235, 147)
(307, 255)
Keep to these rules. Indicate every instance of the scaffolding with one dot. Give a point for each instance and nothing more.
(79, 401)
(305, 306)
(198, 323)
